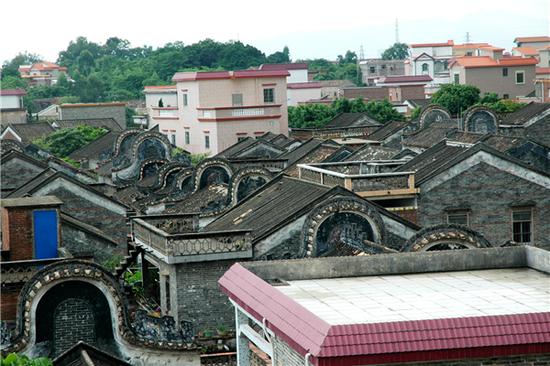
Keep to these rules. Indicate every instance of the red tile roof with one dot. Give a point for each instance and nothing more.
(532, 39)
(542, 70)
(43, 66)
(213, 75)
(293, 66)
(486, 61)
(471, 45)
(13, 92)
(160, 87)
(311, 85)
(450, 42)
(405, 79)
(396, 341)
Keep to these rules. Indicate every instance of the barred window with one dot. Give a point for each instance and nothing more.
(522, 225)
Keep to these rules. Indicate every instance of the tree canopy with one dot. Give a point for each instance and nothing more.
(456, 97)
(63, 142)
(318, 115)
(398, 51)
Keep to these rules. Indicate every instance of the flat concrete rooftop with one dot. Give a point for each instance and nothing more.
(375, 299)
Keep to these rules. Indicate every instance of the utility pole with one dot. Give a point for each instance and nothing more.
(396, 30)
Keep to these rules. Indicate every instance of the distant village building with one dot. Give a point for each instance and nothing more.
(74, 111)
(431, 59)
(12, 109)
(374, 68)
(508, 77)
(299, 88)
(42, 73)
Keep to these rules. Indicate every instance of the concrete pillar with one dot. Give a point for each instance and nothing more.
(243, 351)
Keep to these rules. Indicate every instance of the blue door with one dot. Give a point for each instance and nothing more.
(45, 234)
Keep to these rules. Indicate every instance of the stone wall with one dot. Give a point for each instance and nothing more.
(490, 194)
(16, 172)
(82, 243)
(14, 116)
(198, 298)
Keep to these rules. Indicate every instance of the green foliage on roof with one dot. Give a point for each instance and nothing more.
(63, 142)
(318, 115)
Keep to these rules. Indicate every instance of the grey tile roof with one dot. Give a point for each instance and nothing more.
(278, 202)
(428, 136)
(524, 114)
(431, 159)
(99, 149)
(387, 130)
(30, 131)
(373, 152)
(108, 123)
(351, 120)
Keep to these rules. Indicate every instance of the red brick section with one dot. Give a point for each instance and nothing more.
(8, 305)
(258, 357)
(18, 225)
(390, 342)
(410, 215)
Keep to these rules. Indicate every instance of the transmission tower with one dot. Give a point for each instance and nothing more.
(468, 37)
(361, 53)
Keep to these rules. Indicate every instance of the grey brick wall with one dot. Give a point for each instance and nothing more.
(198, 297)
(284, 355)
(79, 242)
(490, 193)
(93, 214)
(74, 321)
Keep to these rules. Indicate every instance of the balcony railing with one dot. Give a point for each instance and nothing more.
(240, 112)
(371, 179)
(191, 246)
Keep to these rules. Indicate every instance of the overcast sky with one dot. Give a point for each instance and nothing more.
(309, 28)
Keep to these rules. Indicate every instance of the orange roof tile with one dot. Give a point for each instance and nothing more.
(154, 87)
(470, 45)
(450, 42)
(527, 51)
(486, 61)
(532, 39)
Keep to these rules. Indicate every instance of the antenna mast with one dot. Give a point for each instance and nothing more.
(396, 30)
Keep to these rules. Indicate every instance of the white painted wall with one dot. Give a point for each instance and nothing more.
(10, 101)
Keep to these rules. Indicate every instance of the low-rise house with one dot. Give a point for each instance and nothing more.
(12, 109)
(438, 308)
(87, 111)
(42, 73)
(344, 125)
(403, 87)
(299, 88)
(333, 88)
(509, 77)
(535, 42)
(26, 132)
(161, 103)
(214, 110)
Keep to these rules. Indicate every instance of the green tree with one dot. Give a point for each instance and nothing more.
(279, 57)
(14, 359)
(383, 111)
(489, 98)
(398, 51)
(456, 97)
(63, 142)
(309, 115)
(13, 82)
(505, 106)
(416, 113)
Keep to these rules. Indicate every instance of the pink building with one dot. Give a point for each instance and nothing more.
(214, 110)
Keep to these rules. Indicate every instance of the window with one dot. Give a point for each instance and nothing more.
(173, 138)
(469, 53)
(207, 142)
(456, 78)
(521, 225)
(269, 95)
(425, 68)
(372, 69)
(185, 99)
(237, 100)
(187, 138)
(241, 137)
(520, 77)
(383, 67)
(504, 71)
(505, 96)
(460, 218)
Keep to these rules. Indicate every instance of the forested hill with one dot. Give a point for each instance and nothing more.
(116, 71)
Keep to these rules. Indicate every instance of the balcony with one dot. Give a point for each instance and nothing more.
(215, 114)
(164, 112)
(174, 239)
(368, 179)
